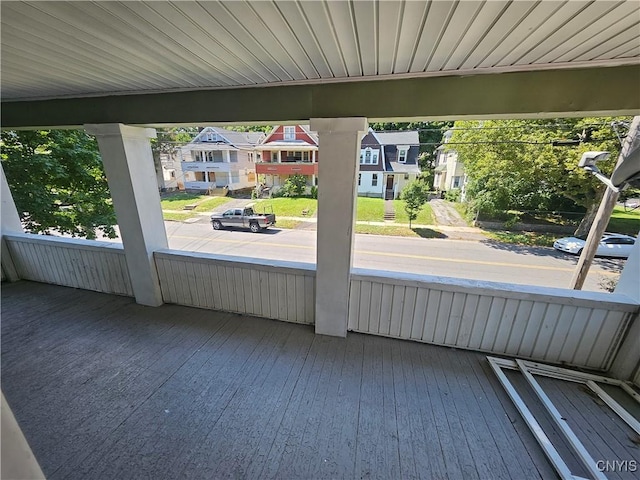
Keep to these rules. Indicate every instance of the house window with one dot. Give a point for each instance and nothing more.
(406, 176)
(369, 156)
(216, 156)
(456, 182)
(374, 180)
(233, 156)
(402, 154)
(289, 133)
(359, 179)
(305, 157)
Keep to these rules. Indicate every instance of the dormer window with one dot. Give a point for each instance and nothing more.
(289, 133)
(402, 154)
(369, 156)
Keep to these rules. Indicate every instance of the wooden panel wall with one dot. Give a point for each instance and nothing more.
(279, 290)
(91, 265)
(541, 324)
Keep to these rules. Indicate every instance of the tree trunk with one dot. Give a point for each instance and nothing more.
(159, 174)
(587, 220)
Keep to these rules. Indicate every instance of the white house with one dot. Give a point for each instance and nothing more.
(449, 170)
(219, 158)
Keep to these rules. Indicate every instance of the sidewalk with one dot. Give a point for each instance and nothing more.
(455, 232)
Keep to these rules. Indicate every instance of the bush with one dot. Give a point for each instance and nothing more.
(452, 195)
(314, 192)
(294, 186)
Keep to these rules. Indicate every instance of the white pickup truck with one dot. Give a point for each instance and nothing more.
(243, 217)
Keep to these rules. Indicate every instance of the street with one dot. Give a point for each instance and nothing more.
(483, 260)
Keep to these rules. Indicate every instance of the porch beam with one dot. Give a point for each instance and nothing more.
(9, 223)
(128, 163)
(591, 91)
(339, 144)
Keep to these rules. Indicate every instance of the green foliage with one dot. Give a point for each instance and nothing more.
(415, 194)
(314, 192)
(58, 182)
(513, 164)
(294, 186)
(369, 209)
(452, 195)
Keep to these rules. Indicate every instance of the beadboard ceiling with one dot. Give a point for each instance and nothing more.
(54, 49)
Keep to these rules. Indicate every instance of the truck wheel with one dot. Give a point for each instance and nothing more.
(255, 228)
(217, 225)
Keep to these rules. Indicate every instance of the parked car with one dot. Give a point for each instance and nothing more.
(243, 217)
(611, 245)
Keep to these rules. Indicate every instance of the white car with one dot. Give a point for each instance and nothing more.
(611, 245)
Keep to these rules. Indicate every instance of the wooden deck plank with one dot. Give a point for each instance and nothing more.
(126, 391)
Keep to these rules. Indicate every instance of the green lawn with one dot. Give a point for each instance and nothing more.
(177, 217)
(288, 207)
(398, 231)
(425, 215)
(523, 238)
(289, 224)
(204, 203)
(179, 200)
(370, 209)
(624, 222)
(212, 203)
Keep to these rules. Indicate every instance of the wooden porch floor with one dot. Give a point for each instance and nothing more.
(105, 388)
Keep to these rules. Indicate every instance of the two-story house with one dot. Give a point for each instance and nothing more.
(371, 174)
(287, 150)
(400, 152)
(449, 170)
(220, 159)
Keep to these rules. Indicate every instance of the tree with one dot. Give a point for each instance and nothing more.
(58, 182)
(533, 164)
(415, 195)
(167, 142)
(429, 133)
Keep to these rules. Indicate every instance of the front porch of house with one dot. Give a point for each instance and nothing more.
(106, 388)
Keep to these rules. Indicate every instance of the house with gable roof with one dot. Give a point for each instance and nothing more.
(288, 150)
(400, 150)
(220, 159)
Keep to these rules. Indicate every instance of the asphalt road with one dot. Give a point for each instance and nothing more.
(484, 260)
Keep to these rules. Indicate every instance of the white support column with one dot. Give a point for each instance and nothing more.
(128, 163)
(339, 143)
(279, 156)
(9, 223)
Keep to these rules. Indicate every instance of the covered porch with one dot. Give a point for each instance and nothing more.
(106, 388)
(179, 364)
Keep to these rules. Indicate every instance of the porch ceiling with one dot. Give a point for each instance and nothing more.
(53, 50)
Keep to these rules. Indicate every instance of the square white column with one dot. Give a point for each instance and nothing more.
(339, 148)
(128, 163)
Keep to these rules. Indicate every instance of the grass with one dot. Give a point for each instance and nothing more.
(288, 207)
(425, 215)
(179, 200)
(398, 231)
(288, 224)
(624, 222)
(370, 209)
(523, 238)
(177, 217)
(212, 203)
(464, 212)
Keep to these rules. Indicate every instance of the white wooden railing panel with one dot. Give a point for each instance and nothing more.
(272, 289)
(551, 325)
(88, 264)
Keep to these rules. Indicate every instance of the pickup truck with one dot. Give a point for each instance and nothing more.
(243, 217)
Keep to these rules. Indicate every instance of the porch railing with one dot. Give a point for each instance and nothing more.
(583, 329)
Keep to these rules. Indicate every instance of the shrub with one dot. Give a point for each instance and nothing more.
(452, 195)
(314, 192)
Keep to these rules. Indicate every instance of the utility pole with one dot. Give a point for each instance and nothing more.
(604, 214)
